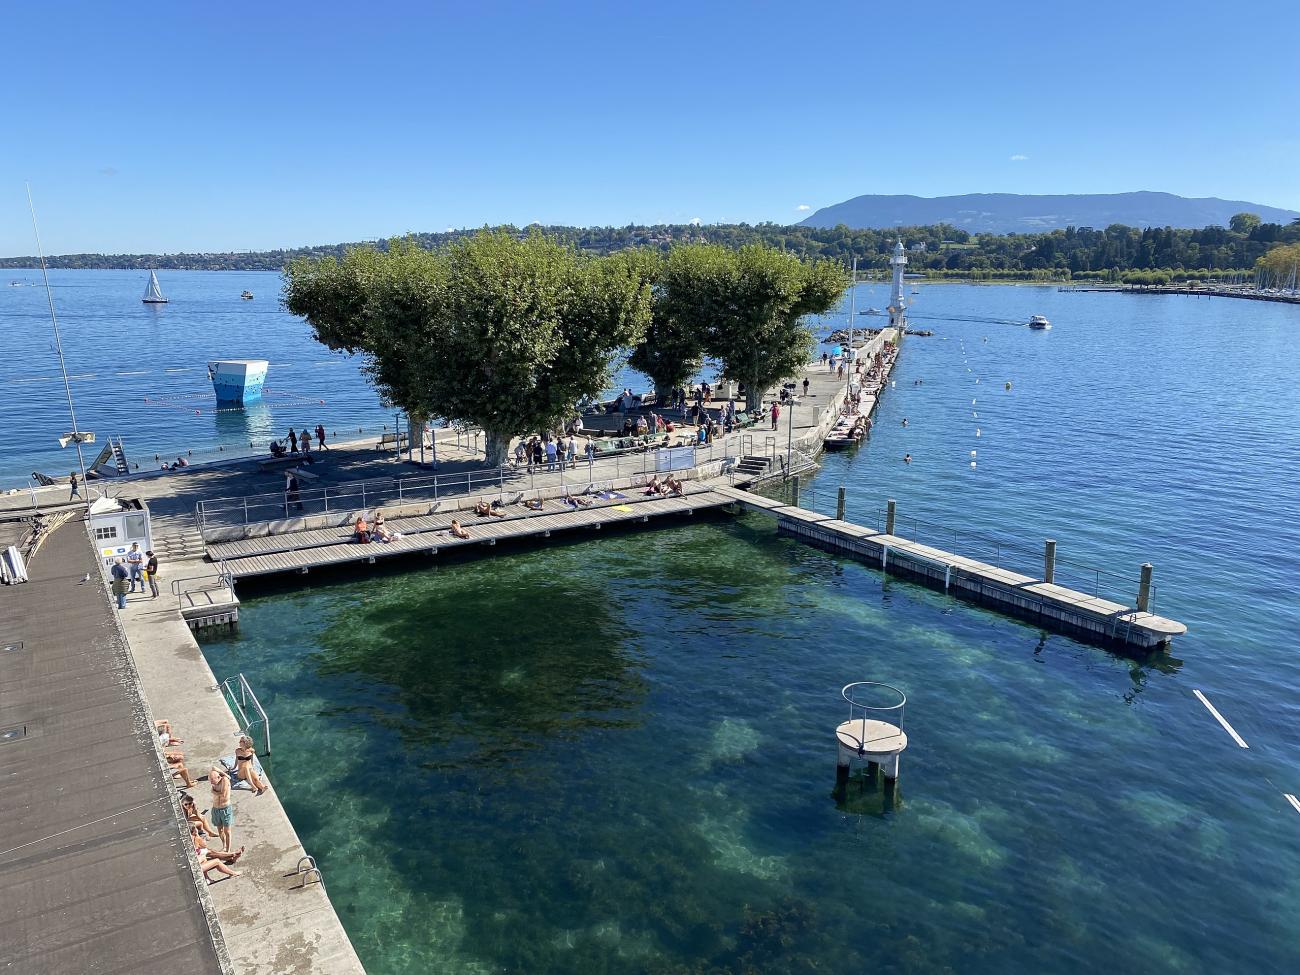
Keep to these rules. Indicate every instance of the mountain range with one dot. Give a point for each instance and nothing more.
(1006, 213)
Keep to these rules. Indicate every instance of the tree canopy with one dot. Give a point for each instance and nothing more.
(747, 306)
(502, 332)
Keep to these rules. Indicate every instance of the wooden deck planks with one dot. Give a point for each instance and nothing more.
(277, 554)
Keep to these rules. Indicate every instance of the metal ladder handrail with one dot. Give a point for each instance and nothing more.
(246, 692)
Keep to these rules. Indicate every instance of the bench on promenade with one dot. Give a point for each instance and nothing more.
(397, 440)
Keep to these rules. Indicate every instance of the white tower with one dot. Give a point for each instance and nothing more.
(897, 306)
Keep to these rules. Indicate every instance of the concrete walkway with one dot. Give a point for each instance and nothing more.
(271, 924)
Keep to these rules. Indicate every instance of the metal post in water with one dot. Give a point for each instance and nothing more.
(794, 491)
(839, 505)
(1049, 560)
(891, 508)
(1144, 588)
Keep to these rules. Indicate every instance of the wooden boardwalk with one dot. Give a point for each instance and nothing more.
(1080, 614)
(302, 551)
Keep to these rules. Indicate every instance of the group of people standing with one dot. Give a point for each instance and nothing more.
(138, 568)
(551, 451)
(300, 443)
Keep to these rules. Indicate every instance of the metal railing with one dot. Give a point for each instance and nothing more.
(240, 706)
(221, 576)
(493, 482)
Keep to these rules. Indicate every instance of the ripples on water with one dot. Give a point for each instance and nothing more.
(617, 755)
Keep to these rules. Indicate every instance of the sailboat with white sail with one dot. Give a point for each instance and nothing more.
(153, 294)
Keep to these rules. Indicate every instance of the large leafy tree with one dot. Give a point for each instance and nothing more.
(672, 350)
(747, 305)
(501, 332)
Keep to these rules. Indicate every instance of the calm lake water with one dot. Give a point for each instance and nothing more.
(617, 756)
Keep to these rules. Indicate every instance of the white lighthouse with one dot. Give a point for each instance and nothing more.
(897, 307)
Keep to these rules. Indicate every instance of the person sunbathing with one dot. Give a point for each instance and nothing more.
(203, 850)
(176, 760)
(676, 487)
(533, 504)
(360, 530)
(379, 530)
(574, 501)
(457, 530)
(244, 764)
(208, 862)
(653, 487)
(484, 508)
(195, 818)
(164, 730)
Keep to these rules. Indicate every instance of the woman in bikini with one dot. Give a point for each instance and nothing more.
(210, 860)
(193, 817)
(244, 764)
(457, 530)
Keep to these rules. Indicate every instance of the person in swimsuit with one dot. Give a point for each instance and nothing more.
(195, 818)
(223, 813)
(360, 530)
(244, 764)
(207, 861)
(379, 531)
(457, 530)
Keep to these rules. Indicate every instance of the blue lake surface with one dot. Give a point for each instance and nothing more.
(617, 755)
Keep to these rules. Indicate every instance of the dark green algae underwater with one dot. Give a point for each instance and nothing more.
(618, 756)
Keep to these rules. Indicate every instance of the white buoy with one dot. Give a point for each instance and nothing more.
(972, 402)
(972, 463)
(972, 453)
(977, 431)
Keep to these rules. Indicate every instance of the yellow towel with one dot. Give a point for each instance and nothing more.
(622, 507)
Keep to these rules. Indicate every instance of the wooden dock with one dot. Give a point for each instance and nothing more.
(305, 550)
(1088, 617)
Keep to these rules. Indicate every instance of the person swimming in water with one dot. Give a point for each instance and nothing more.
(907, 458)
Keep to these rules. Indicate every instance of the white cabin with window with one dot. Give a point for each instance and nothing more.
(117, 522)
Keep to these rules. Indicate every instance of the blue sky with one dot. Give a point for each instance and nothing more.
(179, 126)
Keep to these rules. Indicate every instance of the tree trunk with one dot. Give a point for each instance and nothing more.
(753, 396)
(663, 393)
(496, 446)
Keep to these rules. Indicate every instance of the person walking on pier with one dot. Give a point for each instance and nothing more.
(305, 440)
(135, 562)
(76, 489)
(291, 489)
(151, 573)
(805, 386)
(776, 413)
(320, 437)
(293, 441)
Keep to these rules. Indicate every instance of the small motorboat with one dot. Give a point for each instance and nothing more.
(870, 311)
(847, 432)
(247, 296)
(1039, 324)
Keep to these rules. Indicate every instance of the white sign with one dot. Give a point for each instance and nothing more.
(675, 459)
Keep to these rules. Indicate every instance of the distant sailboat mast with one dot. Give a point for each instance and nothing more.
(153, 294)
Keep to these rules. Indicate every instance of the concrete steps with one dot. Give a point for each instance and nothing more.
(178, 545)
(753, 466)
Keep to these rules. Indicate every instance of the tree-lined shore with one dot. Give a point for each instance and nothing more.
(1076, 253)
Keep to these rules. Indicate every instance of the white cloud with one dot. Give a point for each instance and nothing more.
(695, 221)
(803, 206)
(1019, 157)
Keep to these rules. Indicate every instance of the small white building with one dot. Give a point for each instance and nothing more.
(117, 522)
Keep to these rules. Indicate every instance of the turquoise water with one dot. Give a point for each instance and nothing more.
(618, 755)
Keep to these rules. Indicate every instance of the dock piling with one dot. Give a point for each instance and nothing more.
(891, 510)
(794, 491)
(1144, 588)
(1049, 560)
(839, 505)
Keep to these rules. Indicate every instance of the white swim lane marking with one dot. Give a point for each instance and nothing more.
(1293, 800)
(1218, 717)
